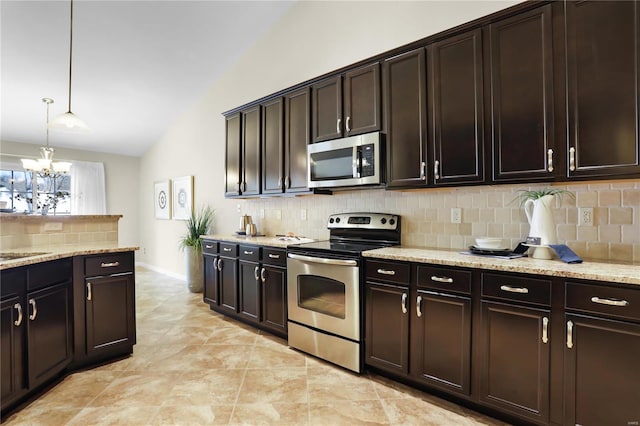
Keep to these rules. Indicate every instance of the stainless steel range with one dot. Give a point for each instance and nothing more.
(324, 286)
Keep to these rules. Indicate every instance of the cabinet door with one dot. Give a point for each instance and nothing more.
(514, 360)
(387, 327)
(12, 350)
(49, 332)
(273, 146)
(228, 288)
(250, 161)
(327, 109)
(274, 298)
(232, 156)
(441, 350)
(110, 312)
(249, 290)
(601, 371)
(210, 292)
(457, 103)
(362, 100)
(406, 109)
(297, 133)
(602, 60)
(521, 98)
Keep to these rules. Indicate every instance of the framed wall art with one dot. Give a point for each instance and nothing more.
(162, 192)
(182, 197)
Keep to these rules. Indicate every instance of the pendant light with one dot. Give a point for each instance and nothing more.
(44, 166)
(69, 121)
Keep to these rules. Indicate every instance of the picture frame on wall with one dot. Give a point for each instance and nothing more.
(182, 200)
(162, 192)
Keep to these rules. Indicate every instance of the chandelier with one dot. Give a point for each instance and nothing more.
(45, 166)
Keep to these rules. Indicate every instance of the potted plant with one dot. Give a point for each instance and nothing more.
(197, 225)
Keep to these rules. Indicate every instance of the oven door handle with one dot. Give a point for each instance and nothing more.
(338, 262)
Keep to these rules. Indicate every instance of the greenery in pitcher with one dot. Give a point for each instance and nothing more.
(528, 194)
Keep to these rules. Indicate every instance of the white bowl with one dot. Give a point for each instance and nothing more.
(489, 242)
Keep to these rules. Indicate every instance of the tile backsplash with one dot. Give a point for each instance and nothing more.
(486, 211)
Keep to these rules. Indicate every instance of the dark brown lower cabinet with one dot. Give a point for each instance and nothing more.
(228, 288)
(387, 327)
(441, 349)
(12, 348)
(274, 297)
(249, 289)
(514, 361)
(211, 280)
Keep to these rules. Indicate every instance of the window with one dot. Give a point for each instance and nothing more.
(16, 192)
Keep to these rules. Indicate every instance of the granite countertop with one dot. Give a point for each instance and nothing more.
(270, 241)
(34, 255)
(589, 270)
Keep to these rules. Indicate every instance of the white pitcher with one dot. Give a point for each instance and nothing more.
(540, 219)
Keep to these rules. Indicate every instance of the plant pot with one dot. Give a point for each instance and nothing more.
(195, 273)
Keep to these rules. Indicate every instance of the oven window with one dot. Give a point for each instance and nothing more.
(323, 295)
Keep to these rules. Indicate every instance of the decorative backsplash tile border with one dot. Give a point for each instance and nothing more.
(486, 211)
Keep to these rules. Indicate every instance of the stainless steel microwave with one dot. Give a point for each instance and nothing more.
(352, 161)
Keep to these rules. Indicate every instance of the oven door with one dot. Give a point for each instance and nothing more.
(324, 293)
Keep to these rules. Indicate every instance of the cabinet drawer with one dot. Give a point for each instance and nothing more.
(446, 279)
(49, 273)
(603, 299)
(271, 256)
(522, 289)
(228, 249)
(108, 264)
(251, 253)
(392, 272)
(209, 247)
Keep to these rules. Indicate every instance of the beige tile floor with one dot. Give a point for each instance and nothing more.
(192, 366)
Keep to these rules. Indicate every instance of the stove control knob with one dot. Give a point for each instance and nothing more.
(331, 220)
(337, 220)
(383, 220)
(392, 222)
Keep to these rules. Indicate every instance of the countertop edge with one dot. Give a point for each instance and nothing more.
(60, 253)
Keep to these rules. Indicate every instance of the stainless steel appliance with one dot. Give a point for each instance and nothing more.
(324, 286)
(352, 161)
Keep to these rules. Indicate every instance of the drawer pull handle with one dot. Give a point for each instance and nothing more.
(610, 302)
(34, 313)
(248, 252)
(226, 249)
(208, 246)
(386, 271)
(569, 334)
(545, 330)
(441, 279)
(274, 256)
(109, 265)
(404, 303)
(89, 295)
(18, 307)
(522, 290)
(418, 307)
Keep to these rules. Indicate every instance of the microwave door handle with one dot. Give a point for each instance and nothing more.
(357, 162)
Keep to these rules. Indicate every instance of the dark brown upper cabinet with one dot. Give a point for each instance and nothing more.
(250, 148)
(603, 88)
(232, 155)
(360, 96)
(273, 146)
(297, 131)
(520, 80)
(406, 119)
(456, 109)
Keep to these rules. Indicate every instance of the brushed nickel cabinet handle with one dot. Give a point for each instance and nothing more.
(263, 276)
(215, 264)
(522, 290)
(89, 294)
(226, 249)
(34, 312)
(610, 302)
(208, 246)
(386, 271)
(418, 307)
(436, 170)
(18, 307)
(288, 180)
(569, 334)
(274, 256)
(255, 273)
(441, 279)
(109, 264)
(550, 160)
(423, 171)
(572, 159)
(338, 127)
(404, 303)
(249, 253)
(219, 265)
(348, 124)
(545, 330)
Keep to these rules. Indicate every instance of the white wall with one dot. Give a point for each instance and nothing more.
(313, 38)
(121, 180)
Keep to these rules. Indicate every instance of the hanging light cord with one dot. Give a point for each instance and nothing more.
(70, 53)
(47, 125)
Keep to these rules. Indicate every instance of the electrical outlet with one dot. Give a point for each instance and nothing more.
(585, 216)
(261, 213)
(456, 215)
(303, 214)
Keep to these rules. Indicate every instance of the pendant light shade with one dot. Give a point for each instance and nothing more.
(69, 121)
